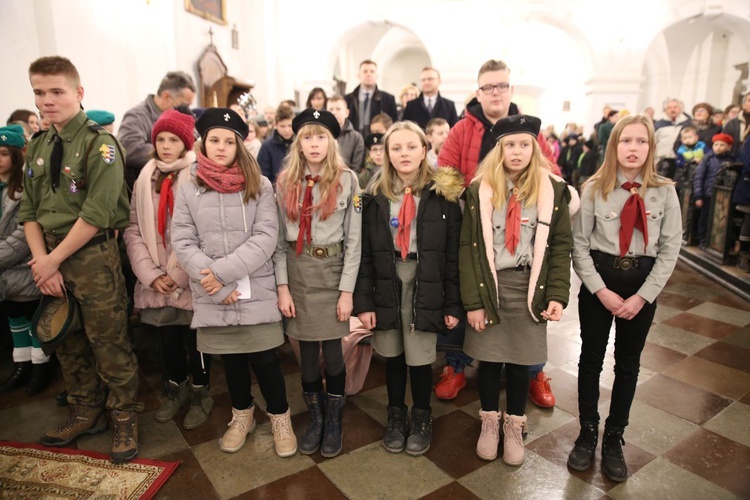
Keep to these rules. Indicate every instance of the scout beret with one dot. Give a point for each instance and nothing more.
(9, 137)
(374, 140)
(221, 118)
(100, 116)
(178, 123)
(14, 127)
(54, 319)
(723, 138)
(516, 124)
(319, 117)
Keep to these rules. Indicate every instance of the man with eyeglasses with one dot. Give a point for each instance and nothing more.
(470, 140)
(430, 104)
(467, 144)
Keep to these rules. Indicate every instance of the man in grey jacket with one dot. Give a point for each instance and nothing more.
(176, 88)
(351, 143)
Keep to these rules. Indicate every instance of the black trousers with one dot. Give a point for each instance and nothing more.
(181, 356)
(270, 379)
(630, 338)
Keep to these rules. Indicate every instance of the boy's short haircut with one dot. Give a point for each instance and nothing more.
(368, 61)
(174, 82)
(688, 128)
(284, 112)
(383, 118)
(338, 98)
(492, 65)
(435, 123)
(55, 65)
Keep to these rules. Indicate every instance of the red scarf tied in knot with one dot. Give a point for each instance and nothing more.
(633, 216)
(405, 218)
(166, 206)
(305, 216)
(513, 223)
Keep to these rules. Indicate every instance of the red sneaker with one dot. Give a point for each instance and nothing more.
(450, 384)
(540, 391)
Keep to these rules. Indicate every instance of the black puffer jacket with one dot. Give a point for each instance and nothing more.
(437, 294)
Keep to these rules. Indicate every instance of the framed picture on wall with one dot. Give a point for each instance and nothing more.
(212, 10)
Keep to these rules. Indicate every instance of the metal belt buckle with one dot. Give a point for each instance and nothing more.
(626, 263)
(320, 252)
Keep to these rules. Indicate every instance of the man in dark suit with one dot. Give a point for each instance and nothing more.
(430, 104)
(367, 100)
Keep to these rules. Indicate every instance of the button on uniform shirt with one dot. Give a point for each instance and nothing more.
(92, 180)
(525, 249)
(596, 226)
(343, 225)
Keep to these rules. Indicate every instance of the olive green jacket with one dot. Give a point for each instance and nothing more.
(92, 180)
(549, 278)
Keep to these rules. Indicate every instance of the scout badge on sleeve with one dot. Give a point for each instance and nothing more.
(108, 153)
(53, 319)
(357, 201)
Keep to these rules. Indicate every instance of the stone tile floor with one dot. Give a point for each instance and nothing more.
(689, 435)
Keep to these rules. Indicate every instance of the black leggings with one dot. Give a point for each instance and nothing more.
(335, 369)
(517, 390)
(178, 345)
(421, 383)
(268, 372)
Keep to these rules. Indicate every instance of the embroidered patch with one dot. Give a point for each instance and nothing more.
(357, 201)
(108, 154)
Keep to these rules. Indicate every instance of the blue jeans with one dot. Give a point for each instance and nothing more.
(536, 369)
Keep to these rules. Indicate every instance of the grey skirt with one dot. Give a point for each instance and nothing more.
(314, 285)
(518, 339)
(238, 339)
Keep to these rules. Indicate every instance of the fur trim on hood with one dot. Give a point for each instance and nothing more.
(448, 183)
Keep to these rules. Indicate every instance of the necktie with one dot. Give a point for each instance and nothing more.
(365, 118)
(405, 218)
(166, 206)
(305, 216)
(513, 223)
(55, 162)
(633, 216)
(429, 104)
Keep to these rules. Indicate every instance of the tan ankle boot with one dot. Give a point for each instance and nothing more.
(490, 436)
(81, 420)
(242, 424)
(283, 436)
(125, 443)
(513, 451)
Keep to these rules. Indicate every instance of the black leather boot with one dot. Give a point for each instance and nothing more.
(40, 378)
(19, 377)
(333, 432)
(582, 455)
(420, 434)
(310, 442)
(396, 430)
(613, 461)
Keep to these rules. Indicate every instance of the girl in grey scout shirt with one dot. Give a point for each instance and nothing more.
(316, 263)
(626, 240)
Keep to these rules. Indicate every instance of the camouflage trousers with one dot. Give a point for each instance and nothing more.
(101, 351)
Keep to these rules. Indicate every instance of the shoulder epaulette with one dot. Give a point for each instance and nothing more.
(37, 134)
(92, 125)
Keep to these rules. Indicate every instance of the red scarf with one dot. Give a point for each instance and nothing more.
(305, 216)
(218, 177)
(633, 216)
(166, 206)
(513, 223)
(405, 218)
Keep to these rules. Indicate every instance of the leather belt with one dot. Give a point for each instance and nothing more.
(320, 252)
(622, 263)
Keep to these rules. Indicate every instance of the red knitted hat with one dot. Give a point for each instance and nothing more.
(179, 124)
(723, 138)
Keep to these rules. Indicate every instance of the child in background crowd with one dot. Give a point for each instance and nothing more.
(705, 177)
(19, 296)
(691, 150)
(275, 148)
(380, 123)
(437, 130)
(351, 143)
(375, 152)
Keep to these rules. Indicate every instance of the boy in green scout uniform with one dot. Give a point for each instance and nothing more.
(74, 201)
